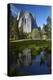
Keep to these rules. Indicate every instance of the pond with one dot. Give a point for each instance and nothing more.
(28, 64)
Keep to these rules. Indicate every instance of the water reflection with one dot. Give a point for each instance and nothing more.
(24, 58)
(39, 64)
(27, 56)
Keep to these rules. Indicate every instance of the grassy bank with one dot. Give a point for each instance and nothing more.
(35, 45)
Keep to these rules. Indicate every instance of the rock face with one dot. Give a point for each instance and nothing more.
(26, 21)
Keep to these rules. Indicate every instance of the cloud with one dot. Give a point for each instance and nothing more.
(13, 9)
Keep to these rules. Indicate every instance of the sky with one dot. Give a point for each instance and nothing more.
(39, 12)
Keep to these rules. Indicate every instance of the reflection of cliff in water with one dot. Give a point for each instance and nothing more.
(24, 58)
(27, 63)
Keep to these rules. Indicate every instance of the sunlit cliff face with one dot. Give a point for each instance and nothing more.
(25, 21)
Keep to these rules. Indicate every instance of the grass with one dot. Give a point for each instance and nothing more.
(36, 45)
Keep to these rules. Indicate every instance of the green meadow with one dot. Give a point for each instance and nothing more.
(35, 45)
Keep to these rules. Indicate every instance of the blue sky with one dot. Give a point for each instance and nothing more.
(39, 12)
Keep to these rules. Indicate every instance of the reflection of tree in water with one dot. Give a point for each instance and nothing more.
(24, 58)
